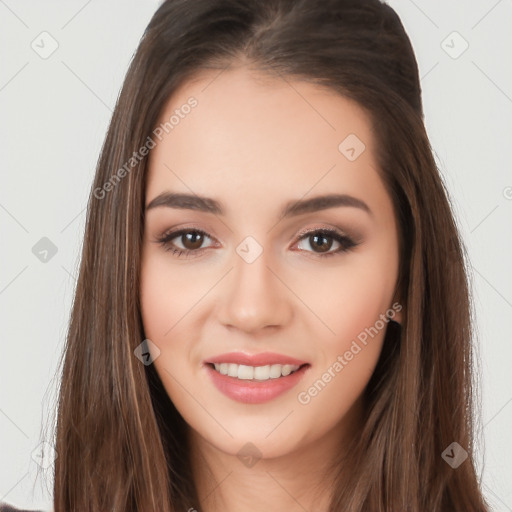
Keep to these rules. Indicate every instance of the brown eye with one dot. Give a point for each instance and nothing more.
(192, 240)
(321, 242)
(185, 242)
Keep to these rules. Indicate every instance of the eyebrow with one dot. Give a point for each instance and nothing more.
(291, 208)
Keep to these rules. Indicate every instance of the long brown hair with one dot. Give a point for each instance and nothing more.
(121, 444)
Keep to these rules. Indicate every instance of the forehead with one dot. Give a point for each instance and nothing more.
(270, 136)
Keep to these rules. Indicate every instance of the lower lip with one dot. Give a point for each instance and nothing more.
(253, 391)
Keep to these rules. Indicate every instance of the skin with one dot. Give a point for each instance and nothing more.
(253, 143)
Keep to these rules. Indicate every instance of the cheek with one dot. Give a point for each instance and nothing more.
(165, 297)
(358, 297)
(165, 302)
(171, 300)
(346, 360)
(350, 300)
(156, 306)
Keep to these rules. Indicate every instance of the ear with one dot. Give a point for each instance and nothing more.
(397, 309)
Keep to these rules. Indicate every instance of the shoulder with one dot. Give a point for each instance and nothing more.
(4, 507)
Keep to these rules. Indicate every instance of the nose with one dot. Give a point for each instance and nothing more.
(255, 297)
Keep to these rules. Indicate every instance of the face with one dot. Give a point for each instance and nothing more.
(262, 299)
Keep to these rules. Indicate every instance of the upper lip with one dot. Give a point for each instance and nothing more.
(261, 359)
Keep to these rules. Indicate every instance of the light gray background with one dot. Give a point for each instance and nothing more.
(54, 115)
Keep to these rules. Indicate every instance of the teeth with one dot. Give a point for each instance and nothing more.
(275, 371)
(262, 372)
(233, 370)
(244, 372)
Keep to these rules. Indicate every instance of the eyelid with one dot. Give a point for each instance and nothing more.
(322, 229)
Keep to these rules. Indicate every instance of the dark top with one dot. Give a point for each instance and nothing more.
(4, 507)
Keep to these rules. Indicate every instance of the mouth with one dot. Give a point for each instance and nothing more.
(256, 373)
(255, 379)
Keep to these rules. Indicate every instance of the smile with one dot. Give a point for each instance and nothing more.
(259, 373)
(254, 379)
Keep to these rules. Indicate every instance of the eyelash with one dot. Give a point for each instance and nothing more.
(346, 243)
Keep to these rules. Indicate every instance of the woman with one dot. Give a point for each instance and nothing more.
(272, 310)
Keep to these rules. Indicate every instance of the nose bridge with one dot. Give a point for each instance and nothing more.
(255, 298)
